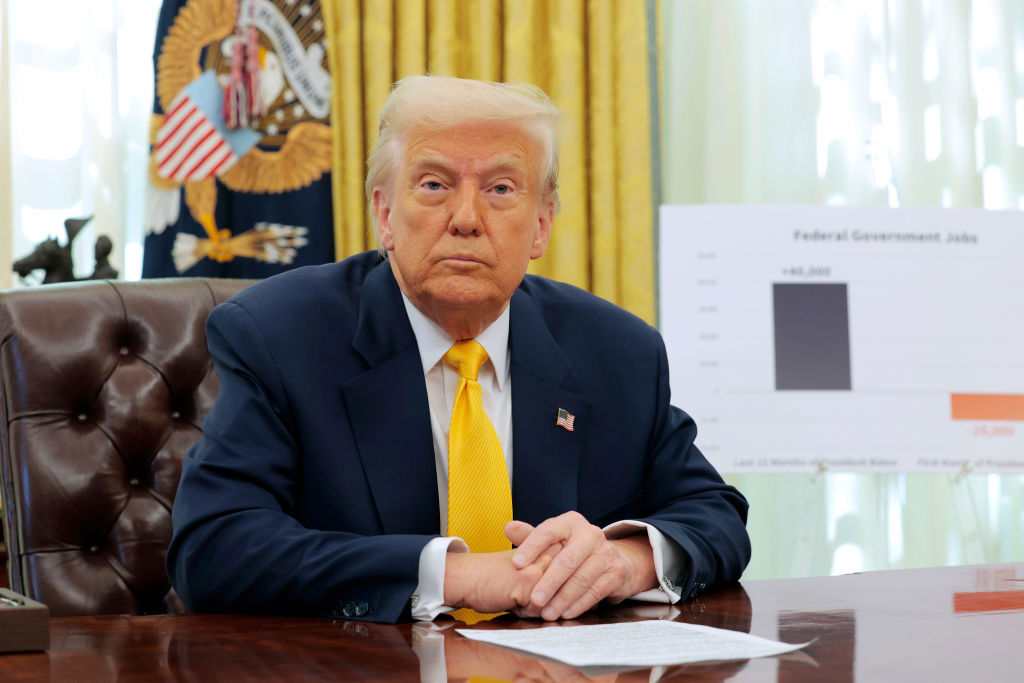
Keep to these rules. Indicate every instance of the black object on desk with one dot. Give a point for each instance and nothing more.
(24, 623)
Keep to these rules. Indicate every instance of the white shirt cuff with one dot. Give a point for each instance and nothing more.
(669, 561)
(428, 598)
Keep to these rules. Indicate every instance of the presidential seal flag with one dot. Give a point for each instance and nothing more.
(240, 140)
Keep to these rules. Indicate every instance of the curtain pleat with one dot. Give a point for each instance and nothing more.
(343, 24)
(633, 166)
(590, 56)
(602, 143)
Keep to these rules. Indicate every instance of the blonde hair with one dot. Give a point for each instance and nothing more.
(442, 102)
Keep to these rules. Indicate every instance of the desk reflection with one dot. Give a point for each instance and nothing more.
(447, 657)
(429, 652)
(832, 635)
(994, 590)
(954, 623)
(335, 650)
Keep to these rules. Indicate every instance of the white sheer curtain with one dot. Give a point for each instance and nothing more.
(875, 102)
(77, 95)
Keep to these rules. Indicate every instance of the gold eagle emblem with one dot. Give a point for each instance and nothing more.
(296, 146)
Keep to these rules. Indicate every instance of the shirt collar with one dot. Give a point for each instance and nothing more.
(434, 342)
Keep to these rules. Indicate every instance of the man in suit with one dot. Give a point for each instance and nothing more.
(332, 469)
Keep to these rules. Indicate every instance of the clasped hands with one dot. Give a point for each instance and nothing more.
(560, 569)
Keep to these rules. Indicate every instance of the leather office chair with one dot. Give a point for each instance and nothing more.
(103, 387)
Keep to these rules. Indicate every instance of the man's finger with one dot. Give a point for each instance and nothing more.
(578, 549)
(529, 576)
(608, 583)
(546, 534)
(587, 586)
(517, 532)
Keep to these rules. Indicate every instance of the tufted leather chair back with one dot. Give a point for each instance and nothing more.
(103, 387)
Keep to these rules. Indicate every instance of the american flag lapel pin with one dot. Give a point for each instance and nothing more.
(565, 419)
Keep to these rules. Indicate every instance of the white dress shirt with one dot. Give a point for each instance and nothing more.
(495, 380)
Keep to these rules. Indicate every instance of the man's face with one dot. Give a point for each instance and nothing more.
(463, 217)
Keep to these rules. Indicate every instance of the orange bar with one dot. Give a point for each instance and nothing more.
(988, 407)
(995, 601)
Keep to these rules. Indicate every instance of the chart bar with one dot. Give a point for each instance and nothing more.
(812, 337)
(988, 407)
(991, 601)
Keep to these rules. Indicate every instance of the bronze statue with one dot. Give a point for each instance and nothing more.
(102, 270)
(56, 261)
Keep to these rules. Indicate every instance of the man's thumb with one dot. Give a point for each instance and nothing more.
(517, 531)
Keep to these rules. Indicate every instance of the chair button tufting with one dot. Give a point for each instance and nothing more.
(95, 549)
(123, 350)
(82, 417)
(133, 482)
(175, 415)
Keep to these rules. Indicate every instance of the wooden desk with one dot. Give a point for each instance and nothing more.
(950, 624)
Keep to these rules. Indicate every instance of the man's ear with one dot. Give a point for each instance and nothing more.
(545, 217)
(382, 214)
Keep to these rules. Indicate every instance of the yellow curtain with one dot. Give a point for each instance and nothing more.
(590, 56)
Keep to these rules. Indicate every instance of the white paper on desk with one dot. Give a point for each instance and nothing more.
(637, 643)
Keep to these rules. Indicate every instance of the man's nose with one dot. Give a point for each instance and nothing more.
(466, 210)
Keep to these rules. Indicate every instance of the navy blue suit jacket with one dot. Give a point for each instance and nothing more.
(313, 488)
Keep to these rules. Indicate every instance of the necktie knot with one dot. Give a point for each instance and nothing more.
(466, 357)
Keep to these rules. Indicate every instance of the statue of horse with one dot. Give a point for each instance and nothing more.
(55, 260)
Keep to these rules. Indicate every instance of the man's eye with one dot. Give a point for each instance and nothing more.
(503, 189)
(432, 185)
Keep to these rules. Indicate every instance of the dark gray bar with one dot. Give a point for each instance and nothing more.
(812, 337)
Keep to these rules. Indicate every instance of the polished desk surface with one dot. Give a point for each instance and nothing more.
(947, 624)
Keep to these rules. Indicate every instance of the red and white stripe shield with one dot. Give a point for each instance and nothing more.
(193, 143)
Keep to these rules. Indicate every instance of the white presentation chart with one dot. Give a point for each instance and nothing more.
(849, 339)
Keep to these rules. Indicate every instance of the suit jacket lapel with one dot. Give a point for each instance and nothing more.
(545, 468)
(389, 413)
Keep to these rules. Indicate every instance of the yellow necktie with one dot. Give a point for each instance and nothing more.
(479, 494)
